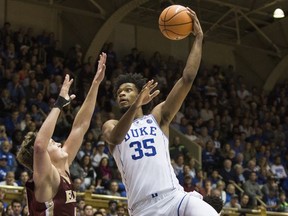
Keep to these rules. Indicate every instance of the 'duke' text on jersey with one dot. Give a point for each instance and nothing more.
(143, 131)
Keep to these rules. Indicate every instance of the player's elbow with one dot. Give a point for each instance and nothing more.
(39, 146)
(188, 78)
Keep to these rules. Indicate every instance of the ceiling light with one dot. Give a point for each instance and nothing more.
(278, 13)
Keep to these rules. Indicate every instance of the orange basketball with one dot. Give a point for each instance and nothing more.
(175, 23)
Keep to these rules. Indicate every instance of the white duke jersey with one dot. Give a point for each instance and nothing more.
(144, 161)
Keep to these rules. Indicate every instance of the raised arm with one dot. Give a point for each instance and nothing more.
(165, 112)
(42, 167)
(84, 115)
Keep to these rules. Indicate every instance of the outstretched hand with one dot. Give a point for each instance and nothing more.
(101, 68)
(196, 29)
(145, 96)
(64, 92)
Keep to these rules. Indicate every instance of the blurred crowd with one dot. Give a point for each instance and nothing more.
(243, 131)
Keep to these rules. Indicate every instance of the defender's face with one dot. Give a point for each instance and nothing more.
(126, 95)
(55, 149)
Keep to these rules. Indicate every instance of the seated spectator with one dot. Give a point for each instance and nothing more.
(121, 211)
(4, 169)
(89, 174)
(177, 148)
(244, 202)
(230, 192)
(209, 158)
(9, 179)
(270, 187)
(88, 210)
(98, 153)
(179, 165)
(221, 187)
(113, 189)
(214, 178)
(11, 160)
(112, 208)
(233, 203)
(86, 149)
(278, 169)
(16, 207)
(271, 201)
(188, 186)
(283, 204)
(104, 173)
(24, 177)
(228, 174)
(3, 135)
(252, 188)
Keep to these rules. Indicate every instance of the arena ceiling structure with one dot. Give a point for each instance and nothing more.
(234, 22)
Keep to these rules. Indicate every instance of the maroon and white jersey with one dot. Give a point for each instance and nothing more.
(63, 203)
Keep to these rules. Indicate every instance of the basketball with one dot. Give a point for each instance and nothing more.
(175, 23)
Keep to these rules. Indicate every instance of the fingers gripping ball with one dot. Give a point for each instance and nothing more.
(175, 23)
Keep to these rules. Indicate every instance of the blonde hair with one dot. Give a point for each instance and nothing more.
(26, 151)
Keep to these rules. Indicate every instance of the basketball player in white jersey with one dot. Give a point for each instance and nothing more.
(139, 143)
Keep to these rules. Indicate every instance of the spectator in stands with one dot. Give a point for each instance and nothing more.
(209, 158)
(98, 154)
(177, 148)
(112, 208)
(103, 211)
(188, 186)
(214, 178)
(6, 104)
(271, 187)
(121, 211)
(16, 207)
(191, 135)
(230, 191)
(9, 179)
(4, 169)
(233, 203)
(15, 88)
(113, 189)
(244, 201)
(252, 188)
(6, 150)
(104, 173)
(2, 208)
(278, 169)
(251, 167)
(13, 122)
(179, 165)
(88, 210)
(98, 213)
(80, 205)
(86, 149)
(24, 176)
(283, 204)
(271, 200)
(227, 172)
(240, 179)
(89, 174)
(3, 135)
(25, 211)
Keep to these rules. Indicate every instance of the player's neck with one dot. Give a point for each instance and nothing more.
(139, 114)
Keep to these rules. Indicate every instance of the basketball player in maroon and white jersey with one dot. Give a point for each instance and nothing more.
(50, 191)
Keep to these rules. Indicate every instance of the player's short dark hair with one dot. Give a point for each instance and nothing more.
(215, 201)
(137, 79)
